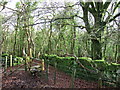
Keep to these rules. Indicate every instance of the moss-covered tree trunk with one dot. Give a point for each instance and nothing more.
(117, 48)
(96, 49)
(97, 11)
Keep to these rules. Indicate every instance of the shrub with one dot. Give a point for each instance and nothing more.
(18, 60)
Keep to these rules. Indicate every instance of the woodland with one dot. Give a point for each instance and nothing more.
(56, 41)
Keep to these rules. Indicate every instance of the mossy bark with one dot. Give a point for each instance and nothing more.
(96, 51)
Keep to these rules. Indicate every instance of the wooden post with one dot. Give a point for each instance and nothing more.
(30, 53)
(6, 62)
(47, 70)
(100, 80)
(10, 60)
(43, 68)
(73, 74)
(48, 66)
(38, 55)
(11, 63)
(55, 73)
(99, 83)
(26, 62)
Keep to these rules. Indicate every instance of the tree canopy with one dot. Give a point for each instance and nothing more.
(89, 29)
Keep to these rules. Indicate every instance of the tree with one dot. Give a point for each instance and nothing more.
(65, 24)
(98, 11)
(25, 31)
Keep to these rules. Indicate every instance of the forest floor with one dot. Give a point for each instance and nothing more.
(22, 79)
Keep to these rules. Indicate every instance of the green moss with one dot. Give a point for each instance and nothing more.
(85, 58)
(85, 61)
(99, 60)
(60, 58)
(113, 67)
(115, 64)
(101, 64)
(65, 64)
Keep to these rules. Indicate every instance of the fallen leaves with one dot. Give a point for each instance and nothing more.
(22, 79)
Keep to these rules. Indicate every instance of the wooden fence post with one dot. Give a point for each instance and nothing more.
(6, 62)
(100, 80)
(10, 60)
(38, 55)
(43, 66)
(47, 70)
(11, 63)
(73, 74)
(26, 62)
(55, 73)
(30, 53)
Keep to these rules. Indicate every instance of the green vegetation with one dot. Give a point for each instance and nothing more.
(108, 70)
(81, 38)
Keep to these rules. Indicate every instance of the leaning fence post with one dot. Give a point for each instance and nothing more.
(73, 74)
(6, 62)
(55, 72)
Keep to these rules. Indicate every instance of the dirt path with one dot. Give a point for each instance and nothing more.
(22, 79)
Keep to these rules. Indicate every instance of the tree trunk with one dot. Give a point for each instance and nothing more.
(49, 40)
(96, 50)
(15, 42)
(118, 48)
(118, 57)
(1, 35)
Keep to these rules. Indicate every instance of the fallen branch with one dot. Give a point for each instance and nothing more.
(84, 66)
